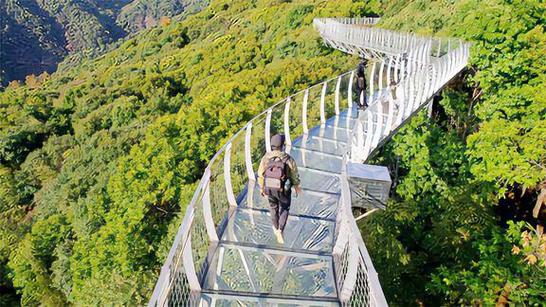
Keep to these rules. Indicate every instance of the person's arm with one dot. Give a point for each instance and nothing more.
(294, 175)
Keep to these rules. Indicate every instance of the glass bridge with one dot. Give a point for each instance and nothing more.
(225, 252)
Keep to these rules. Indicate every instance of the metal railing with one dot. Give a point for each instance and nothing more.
(230, 173)
(373, 42)
(421, 79)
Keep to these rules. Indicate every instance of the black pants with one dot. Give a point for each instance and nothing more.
(361, 90)
(361, 104)
(279, 207)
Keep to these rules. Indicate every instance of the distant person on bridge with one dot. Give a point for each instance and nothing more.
(277, 174)
(361, 85)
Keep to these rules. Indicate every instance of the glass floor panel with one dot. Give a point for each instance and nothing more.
(318, 180)
(330, 132)
(254, 227)
(248, 267)
(266, 271)
(341, 122)
(352, 114)
(317, 160)
(310, 203)
(223, 300)
(338, 129)
(323, 145)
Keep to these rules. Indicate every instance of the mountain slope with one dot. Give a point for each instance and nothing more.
(28, 30)
(37, 35)
(142, 14)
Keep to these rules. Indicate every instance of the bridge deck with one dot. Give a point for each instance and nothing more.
(249, 262)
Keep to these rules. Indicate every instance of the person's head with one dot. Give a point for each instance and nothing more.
(361, 70)
(277, 142)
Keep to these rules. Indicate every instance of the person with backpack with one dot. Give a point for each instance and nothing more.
(277, 174)
(361, 85)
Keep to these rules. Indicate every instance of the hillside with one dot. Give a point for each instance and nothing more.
(99, 161)
(143, 14)
(37, 35)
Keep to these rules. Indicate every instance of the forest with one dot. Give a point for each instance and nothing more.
(99, 161)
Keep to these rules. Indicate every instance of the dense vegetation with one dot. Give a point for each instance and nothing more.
(468, 179)
(37, 35)
(99, 161)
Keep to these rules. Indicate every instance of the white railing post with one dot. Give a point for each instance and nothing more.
(350, 91)
(358, 142)
(379, 126)
(207, 209)
(372, 81)
(227, 176)
(397, 67)
(248, 153)
(322, 102)
(369, 134)
(268, 130)
(381, 69)
(388, 125)
(304, 112)
(288, 141)
(189, 266)
(449, 58)
(409, 96)
(336, 99)
(389, 68)
(403, 102)
(403, 64)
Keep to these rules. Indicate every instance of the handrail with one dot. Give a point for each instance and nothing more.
(373, 42)
(417, 87)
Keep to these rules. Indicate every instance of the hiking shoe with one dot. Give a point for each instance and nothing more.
(278, 234)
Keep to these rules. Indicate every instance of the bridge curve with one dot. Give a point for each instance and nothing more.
(225, 251)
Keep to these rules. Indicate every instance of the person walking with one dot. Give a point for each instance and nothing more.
(361, 85)
(277, 174)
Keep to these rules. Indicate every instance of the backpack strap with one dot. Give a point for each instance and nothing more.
(286, 167)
